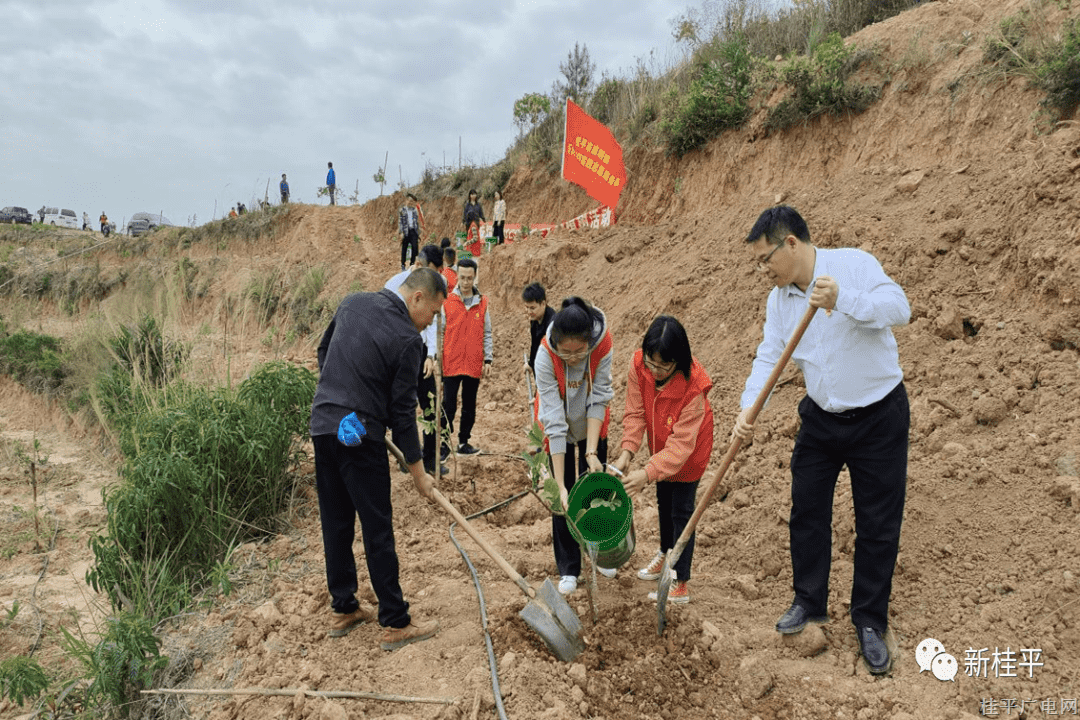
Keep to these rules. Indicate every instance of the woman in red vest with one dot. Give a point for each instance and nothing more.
(573, 380)
(667, 397)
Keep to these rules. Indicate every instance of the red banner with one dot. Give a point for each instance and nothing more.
(591, 157)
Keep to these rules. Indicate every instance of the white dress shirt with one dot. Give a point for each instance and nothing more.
(849, 359)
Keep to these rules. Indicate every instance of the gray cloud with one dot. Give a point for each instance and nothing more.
(174, 105)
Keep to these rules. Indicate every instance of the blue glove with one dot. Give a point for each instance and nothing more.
(350, 431)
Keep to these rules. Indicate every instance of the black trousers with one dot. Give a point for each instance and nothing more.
(497, 230)
(333, 190)
(425, 393)
(411, 239)
(469, 387)
(355, 481)
(567, 550)
(873, 443)
(675, 502)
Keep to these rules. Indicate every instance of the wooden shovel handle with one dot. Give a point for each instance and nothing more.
(736, 443)
(492, 552)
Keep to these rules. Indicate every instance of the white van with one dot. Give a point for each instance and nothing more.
(62, 217)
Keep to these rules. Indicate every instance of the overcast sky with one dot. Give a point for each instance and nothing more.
(169, 106)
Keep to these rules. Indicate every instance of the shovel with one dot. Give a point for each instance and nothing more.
(547, 612)
(673, 555)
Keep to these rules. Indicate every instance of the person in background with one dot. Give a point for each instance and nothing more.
(467, 352)
(667, 397)
(232, 212)
(855, 413)
(284, 188)
(369, 359)
(539, 313)
(498, 218)
(85, 221)
(41, 214)
(429, 257)
(449, 261)
(410, 223)
(573, 379)
(473, 214)
(331, 182)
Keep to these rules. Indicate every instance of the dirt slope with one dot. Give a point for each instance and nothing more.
(969, 208)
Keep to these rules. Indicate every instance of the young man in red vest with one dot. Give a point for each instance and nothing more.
(467, 348)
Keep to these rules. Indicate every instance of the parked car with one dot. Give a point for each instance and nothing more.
(62, 217)
(13, 214)
(142, 223)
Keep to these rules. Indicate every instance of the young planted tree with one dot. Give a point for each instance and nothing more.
(577, 80)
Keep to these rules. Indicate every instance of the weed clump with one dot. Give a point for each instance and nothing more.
(32, 359)
(718, 99)
(820, 84)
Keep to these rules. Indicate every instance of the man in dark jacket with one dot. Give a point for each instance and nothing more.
(369, 359)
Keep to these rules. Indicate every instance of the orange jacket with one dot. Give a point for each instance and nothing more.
(463, 341)
(451, 279)
(678, 419)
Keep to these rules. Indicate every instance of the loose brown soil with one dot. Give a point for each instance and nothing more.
(946, 180)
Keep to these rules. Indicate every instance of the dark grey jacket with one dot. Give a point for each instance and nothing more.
(369, 359)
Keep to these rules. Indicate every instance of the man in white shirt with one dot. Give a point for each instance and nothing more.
(855, 413)
(430, 256)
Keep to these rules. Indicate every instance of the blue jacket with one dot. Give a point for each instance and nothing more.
(330, 178)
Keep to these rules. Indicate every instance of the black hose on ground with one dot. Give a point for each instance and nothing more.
(483, 607)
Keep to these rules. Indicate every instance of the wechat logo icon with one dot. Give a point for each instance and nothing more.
(931, 656)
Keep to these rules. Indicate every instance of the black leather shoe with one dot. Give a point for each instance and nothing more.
(443, 470)
(875, 652)
(795, 619)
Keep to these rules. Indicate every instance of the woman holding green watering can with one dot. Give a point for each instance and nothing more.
(573, 379)
(667, 397)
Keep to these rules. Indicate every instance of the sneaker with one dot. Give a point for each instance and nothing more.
(342, 623)
(394, 638)
(567, 584)
(443, 470)
(607, 572)
(652, 570)
(679, 594)
(467, 449)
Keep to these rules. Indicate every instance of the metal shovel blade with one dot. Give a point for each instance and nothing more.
(552, 618)
(662, 590)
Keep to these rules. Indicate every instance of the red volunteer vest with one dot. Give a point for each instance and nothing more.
(662, 411)
(595, 356)
(463, 341)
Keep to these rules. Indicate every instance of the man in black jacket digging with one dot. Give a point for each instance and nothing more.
(369, 359)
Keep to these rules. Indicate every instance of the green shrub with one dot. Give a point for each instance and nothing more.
(821, 85)
(1059, 73)
(32, 359)
(718, 99)
(203, 470)
(121, 663)
(22, 679)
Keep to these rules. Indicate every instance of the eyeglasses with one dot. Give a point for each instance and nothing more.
(663, 369)
(573, 358)
(763, 263)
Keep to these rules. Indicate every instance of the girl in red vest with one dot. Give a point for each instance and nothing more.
(573, 380)
(667, 397)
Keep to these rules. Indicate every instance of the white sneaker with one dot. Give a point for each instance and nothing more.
(607, 572)
(653, 569)
(567, 584)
